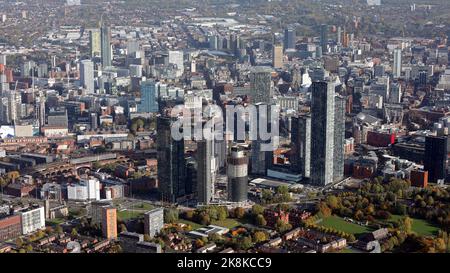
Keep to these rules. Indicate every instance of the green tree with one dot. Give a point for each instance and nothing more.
(74, 232)
(259, 236)
(282, 227)
(170, 216)
(260, 220)
(332, 202)
(257, 209)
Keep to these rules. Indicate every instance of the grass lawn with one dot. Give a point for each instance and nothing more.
(228, 223)
(129, 214)
(419, 226)
(143, 206)
(192, 224)
(339, 223)
(54, 222)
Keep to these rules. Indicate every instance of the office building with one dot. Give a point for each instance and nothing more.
(177, 58)
(171, 161)
(106, 53)
(301, 145)
(324, 38)
(205, 171)
(154, 221)
(261, 84)
(435, 159)
(95, 43)
(397, 67)
(149, 103)
(395, 93)
(289, 38)
(277, 56)
(87, 76)
(237, 172)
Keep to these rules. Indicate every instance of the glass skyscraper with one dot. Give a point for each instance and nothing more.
(171, 161)
(106, 46)
(149, 103)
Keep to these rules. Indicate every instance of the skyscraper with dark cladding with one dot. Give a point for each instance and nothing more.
(324, 38)
(171, 161)
(205, 160)
(301, 145)
(435, 159)
(289, 38)
(339, 138)
(106, 46)
(322, 132)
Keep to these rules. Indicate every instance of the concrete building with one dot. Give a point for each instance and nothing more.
(277, 56)
(87, 76)
(154, 221)
(33, 219)
(237, 172)
(261, 84)
(109, 222)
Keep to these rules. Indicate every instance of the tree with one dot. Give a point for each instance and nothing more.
(74, 232)
(282, 227)
(205, 219)
(332, 202)
(189, 214)
(239, 212)
(257, 209)
(245, 242)
(170, 216)
(29, 248)
(324, 210)
(59, 229)
(123, 228)
(222, 213)
(260, 220)
(19, 242)
(259, 236)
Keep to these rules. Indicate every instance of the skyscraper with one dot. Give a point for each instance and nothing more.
(205, 161)
(324, 38)
(109, 222)
(322, 132)
(395, 93)
(149, 103)
(261, 159)
(106, 46)
(87, 76)
(171, 161)
(435, 159)
(277, 56)
(289, 38)
(397, 68)
(237, 172)
(261, 84)
(339, 138)
(176, 58)
(301, 145)
(95, 43)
